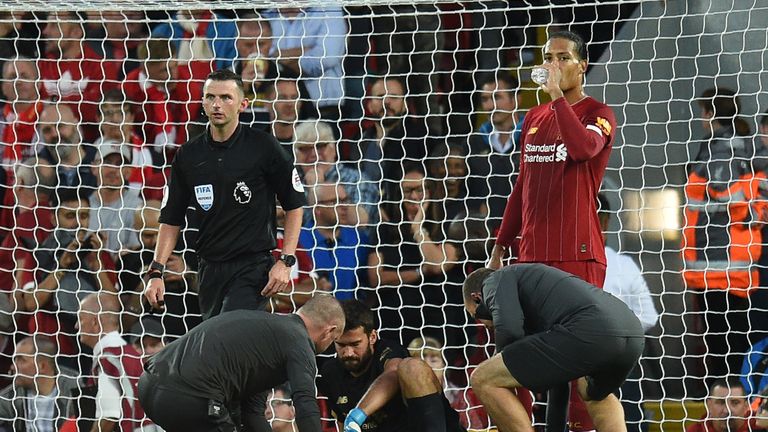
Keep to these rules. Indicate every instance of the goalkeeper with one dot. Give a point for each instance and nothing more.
(374, 385)
(551, 328)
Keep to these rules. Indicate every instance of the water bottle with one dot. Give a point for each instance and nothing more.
(539, 75)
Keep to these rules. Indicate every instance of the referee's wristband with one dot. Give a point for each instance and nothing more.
(156, 270)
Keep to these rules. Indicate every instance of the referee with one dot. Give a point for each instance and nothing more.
(231, 175)
(551, 328)
(229, 363)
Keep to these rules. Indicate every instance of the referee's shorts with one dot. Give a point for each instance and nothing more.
(543, 360)
(234, 284)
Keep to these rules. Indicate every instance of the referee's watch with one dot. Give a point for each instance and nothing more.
(288, 260)
(155, 271)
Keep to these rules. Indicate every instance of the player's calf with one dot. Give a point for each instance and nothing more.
(607, 413)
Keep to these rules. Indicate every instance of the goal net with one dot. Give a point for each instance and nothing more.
(403, 120)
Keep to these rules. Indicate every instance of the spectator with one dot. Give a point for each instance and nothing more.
(166, 94)
(72, 72)
(624, 280)
(447, 172)
(258, 75)
(64, 160)
(21, 111)
(117, 35)
(407, 270)
(317, 160)
(147, 337)
(69, 265)
(116, 367)
(394, 138)
(311, 43)
(116, 126)
(280, 412)
(339, 251)
(182, 310)
(495, 147)
(407, 39)
(285, 110)
(727, 409)
(722, 233)
(254, 40)
(200, 36)
(38, 399)
(114, 205)
(19, 35)
(24, 224)
(471, 412)
(255, 67)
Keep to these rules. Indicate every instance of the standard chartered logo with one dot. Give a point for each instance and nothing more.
(561, 153)
(545, 153)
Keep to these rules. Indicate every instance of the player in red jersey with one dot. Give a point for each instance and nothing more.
(565, 146)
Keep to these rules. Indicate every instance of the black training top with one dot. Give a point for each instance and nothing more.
(237, 357)
(525, 299)
(344, 391)
(232, 185)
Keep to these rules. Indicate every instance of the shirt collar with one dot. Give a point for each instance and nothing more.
(109, 340)
(223, 144)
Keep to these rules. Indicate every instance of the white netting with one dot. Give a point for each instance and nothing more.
(125, 78)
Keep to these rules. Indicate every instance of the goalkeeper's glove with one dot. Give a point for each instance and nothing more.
(354, 421)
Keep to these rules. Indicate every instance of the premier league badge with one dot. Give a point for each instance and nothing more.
(204, 195)
(242, 193)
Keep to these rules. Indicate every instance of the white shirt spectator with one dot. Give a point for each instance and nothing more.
(624, 280)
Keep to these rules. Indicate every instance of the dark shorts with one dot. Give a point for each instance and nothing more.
(178, 412)
(417, 419)
(542, 360)
(235, 284)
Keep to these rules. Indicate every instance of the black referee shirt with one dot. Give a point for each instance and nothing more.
(232, 185)
(238, 357)
(525, 299)
(344, 391)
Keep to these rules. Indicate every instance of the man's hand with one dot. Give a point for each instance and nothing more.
(552, 86)
(496, 257)
(155, 293)
(355, 420)
(279, 279)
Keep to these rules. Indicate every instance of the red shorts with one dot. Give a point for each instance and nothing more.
(589, 271)
(594, 273)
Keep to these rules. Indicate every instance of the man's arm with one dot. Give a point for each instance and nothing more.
(166, 241)
(500, 293)
(301, 370)
(382, 390)
(582, 141)
(254, 419)
(108, 404)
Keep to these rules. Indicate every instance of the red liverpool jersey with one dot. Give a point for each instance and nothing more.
(564, 152)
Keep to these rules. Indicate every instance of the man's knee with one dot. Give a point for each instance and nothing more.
(416, 374)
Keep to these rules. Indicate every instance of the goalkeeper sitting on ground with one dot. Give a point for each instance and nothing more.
(374, 385)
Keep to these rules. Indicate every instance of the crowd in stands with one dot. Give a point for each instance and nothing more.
(401, 206)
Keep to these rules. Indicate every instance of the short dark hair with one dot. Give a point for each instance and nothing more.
(475, 281)
(64, 194)
(358, 315)
(580, 47)
(729, 383)
(501, 76)
(226, 75)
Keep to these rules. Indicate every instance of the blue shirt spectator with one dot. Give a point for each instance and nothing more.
(312, 43)
(339, 251)
(220, 35)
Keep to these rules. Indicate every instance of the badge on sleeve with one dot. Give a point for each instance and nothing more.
(204, 196)
(297, 186)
